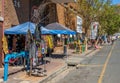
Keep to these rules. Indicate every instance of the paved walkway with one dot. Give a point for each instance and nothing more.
(16, 75)
(57, 65)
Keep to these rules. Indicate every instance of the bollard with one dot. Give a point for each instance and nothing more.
(65, 49)
(83, 48)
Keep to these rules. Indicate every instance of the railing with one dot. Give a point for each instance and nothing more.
(13, 56)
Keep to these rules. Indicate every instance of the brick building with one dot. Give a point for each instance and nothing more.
(43, 11)
(58, 11)
(1, 31)
(20, 11)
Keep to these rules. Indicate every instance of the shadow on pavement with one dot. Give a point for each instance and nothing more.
(16, 71)
(57, 56)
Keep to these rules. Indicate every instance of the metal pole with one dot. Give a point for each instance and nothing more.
(44, 62)
(1, 32)
(30, 72)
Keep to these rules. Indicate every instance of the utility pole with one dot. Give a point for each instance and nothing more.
(1, 31)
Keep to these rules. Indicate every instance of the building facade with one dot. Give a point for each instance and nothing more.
(38, 11)
(1, 30)
(55, 11)
(44, 11)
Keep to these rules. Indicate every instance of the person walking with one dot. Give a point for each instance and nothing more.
(112, 41)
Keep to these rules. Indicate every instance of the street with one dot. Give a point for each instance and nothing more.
(102, 67)
(59, 41)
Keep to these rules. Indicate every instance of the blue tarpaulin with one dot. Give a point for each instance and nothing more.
(53, 28)
(57, 28)
(23, 29)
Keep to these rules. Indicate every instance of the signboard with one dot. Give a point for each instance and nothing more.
(94, 29)
(79, 24)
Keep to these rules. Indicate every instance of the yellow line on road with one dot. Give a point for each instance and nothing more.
(105, 65)
(82, 65)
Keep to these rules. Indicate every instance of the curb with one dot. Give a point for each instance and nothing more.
(92, 52)
(86, 54)
(89, 54)
(77, 59)
(51, 76)
(63, 68)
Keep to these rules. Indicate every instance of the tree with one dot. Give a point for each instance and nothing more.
(89, 10)
(109, 19)
(101, 11)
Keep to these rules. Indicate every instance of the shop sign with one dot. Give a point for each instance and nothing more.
(79, 24)
(94, 29)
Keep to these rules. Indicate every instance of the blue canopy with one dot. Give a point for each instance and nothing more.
(23, 29)
(57, 28)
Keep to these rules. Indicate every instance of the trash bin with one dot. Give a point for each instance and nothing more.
(83, 48)
(77, 48)
(65, 49)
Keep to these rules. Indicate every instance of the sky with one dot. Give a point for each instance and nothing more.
(116, 1)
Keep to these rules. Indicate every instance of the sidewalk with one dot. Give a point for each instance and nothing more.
(56, 66)
(21, 77)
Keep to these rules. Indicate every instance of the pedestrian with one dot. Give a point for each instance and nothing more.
(112, 41)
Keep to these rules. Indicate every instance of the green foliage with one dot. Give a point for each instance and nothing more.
(109, 19)
(102, 11)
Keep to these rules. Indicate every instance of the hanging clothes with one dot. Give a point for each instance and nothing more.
(37, 34)
(14, 43)
(33, 53)
(28, 40)
(5, 45)
(43, 46)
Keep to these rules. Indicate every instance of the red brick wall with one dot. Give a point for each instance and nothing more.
(60, 14)
(1, 44)
(14, 16)
(0, 6)
(10, 15)
(66, 17)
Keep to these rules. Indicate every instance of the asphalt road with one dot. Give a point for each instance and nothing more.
(102, 67)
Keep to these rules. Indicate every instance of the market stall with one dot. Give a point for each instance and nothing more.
(34, 44)
(38, 45)
(59, 29)
(64, 33)
(23, 29)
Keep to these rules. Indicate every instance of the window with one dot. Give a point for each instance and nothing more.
(16, 3)
(65, 3)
